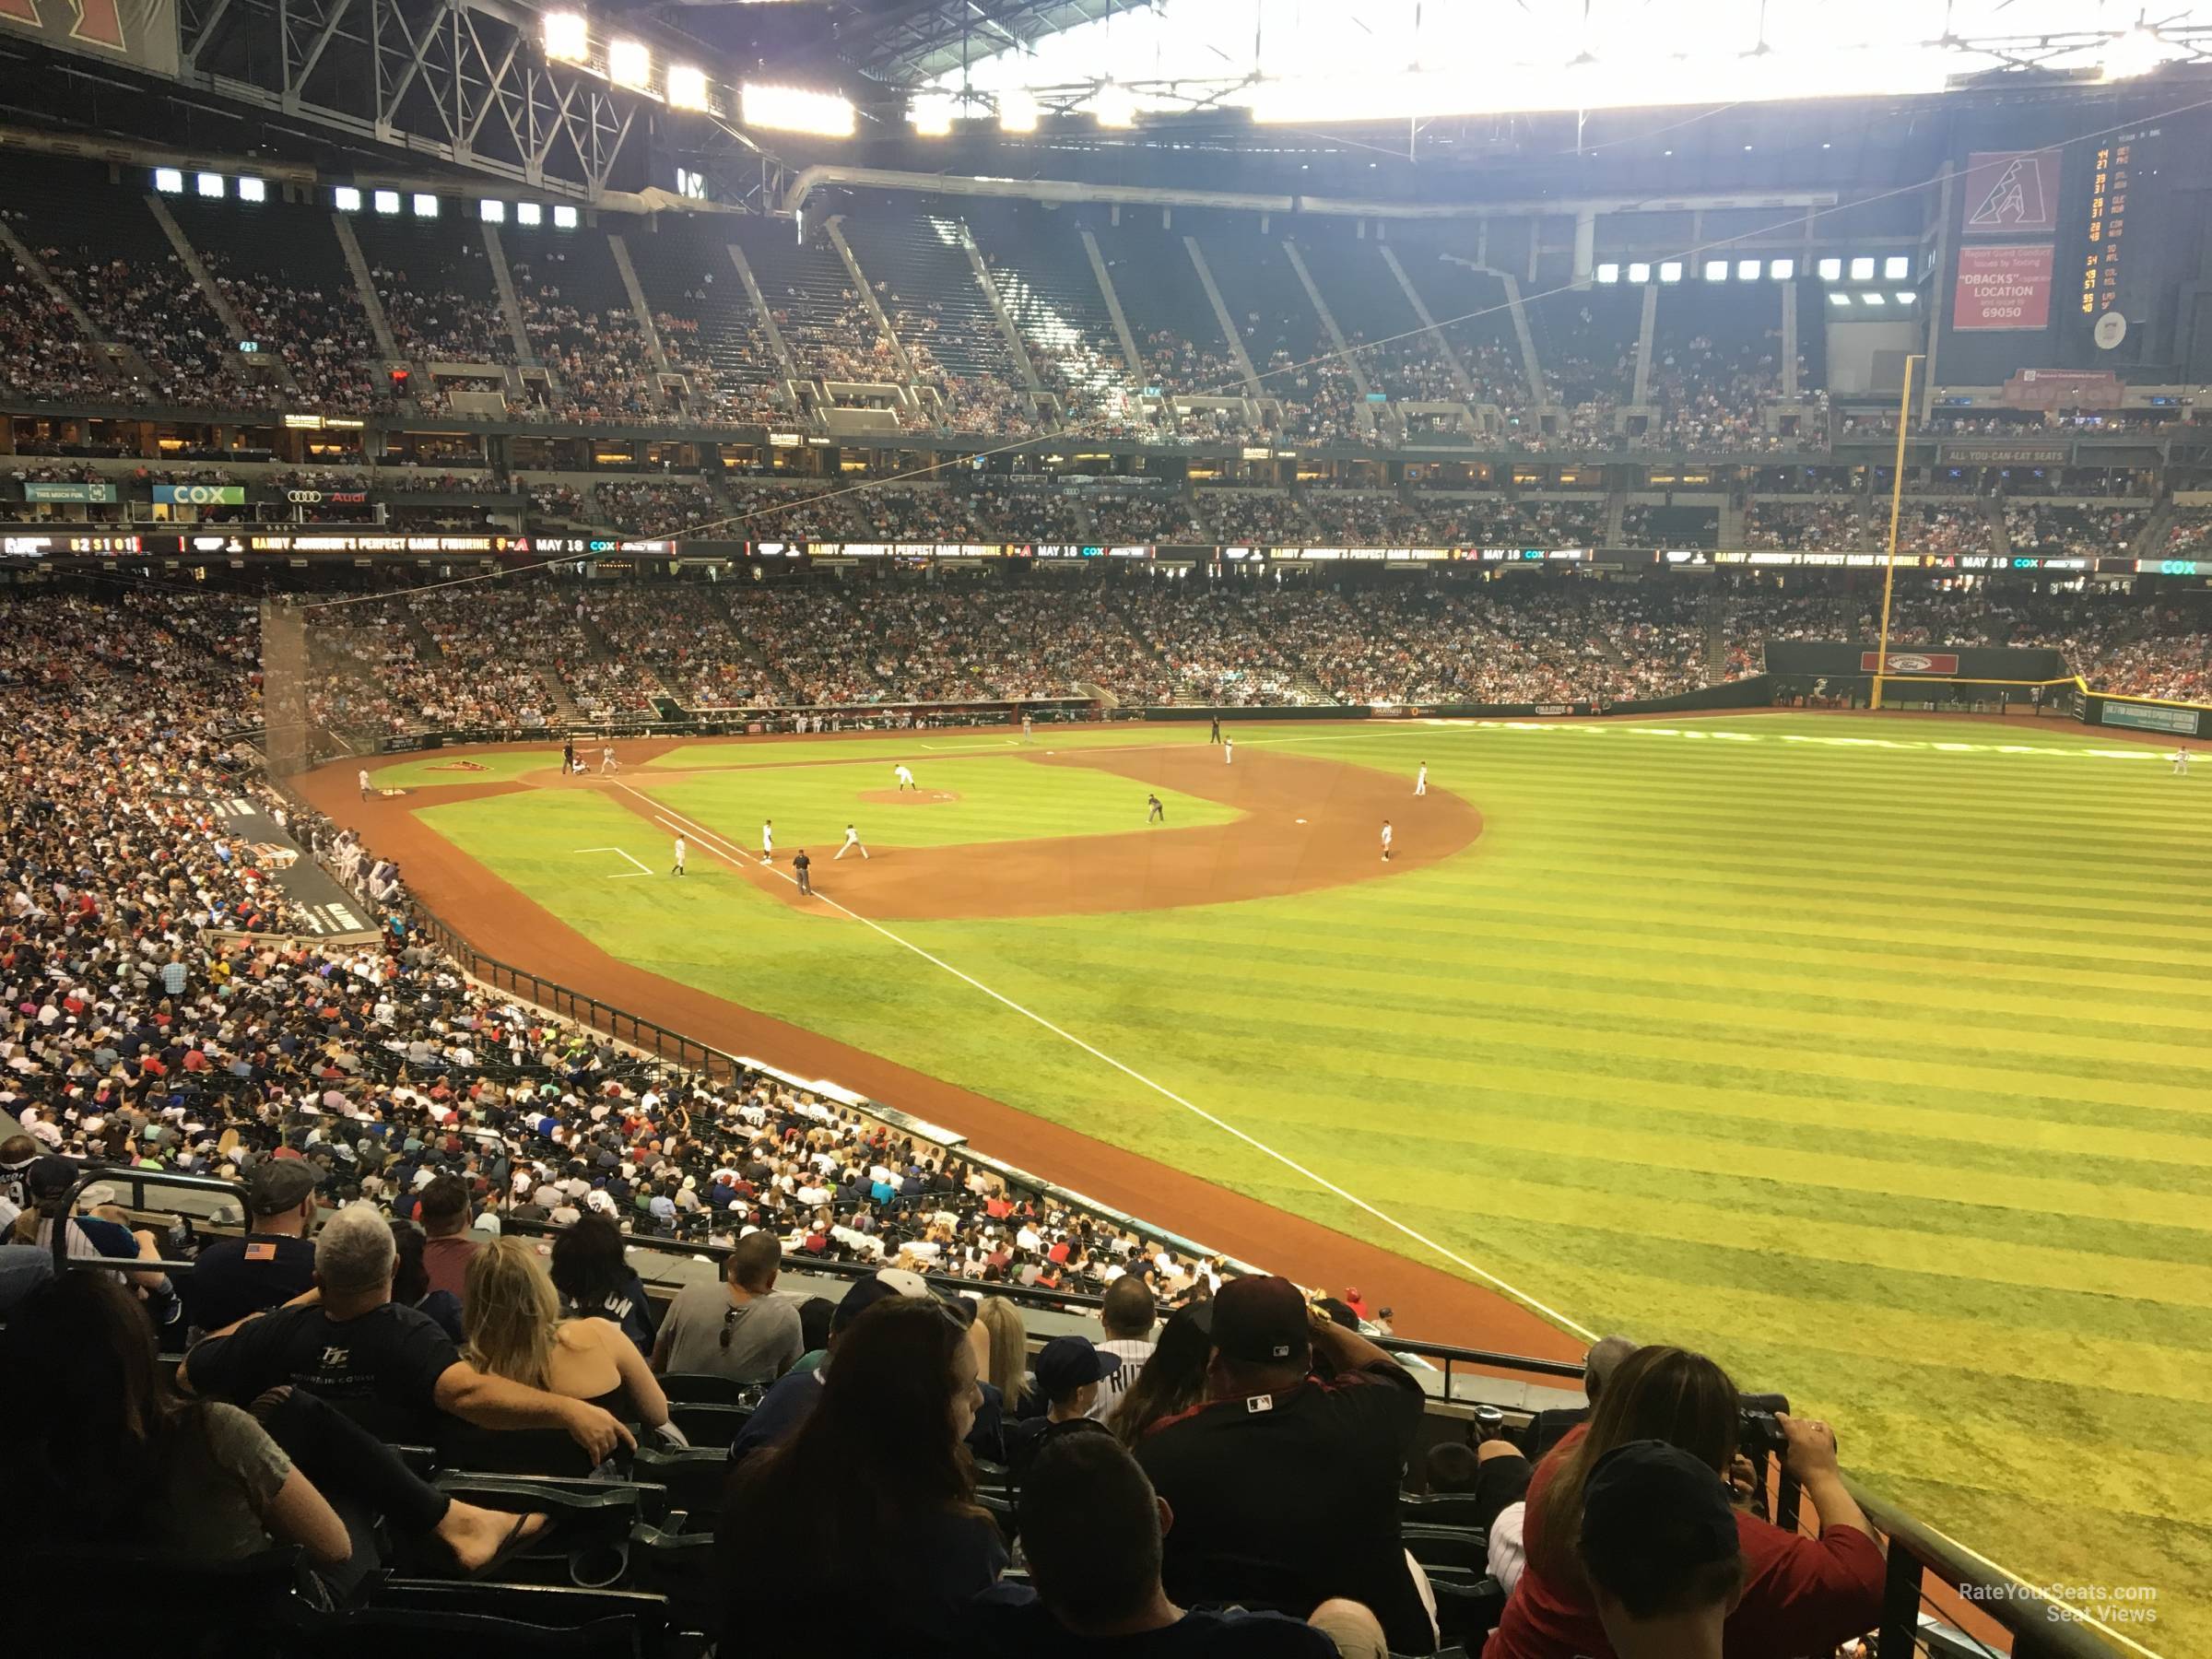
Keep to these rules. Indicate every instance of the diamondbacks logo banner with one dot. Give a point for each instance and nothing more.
(134, 31)
(2011, 191)
(1910, 662)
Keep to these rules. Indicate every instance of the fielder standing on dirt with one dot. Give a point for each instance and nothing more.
(852, 844)
(1385, 841)
(767, 841)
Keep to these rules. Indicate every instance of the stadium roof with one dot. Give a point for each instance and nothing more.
(910, 42)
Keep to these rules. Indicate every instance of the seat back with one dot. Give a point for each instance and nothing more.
(695, 1479)
(708, 1388)
(681, 1567)
(706, 1424)
(517, 1618)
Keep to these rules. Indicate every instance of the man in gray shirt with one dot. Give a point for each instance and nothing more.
(740, 1329)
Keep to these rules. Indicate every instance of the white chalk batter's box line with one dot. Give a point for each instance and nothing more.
(618, 875)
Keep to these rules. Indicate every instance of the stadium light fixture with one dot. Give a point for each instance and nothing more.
(686, 87)
(1716, 270)
(347, 199)
(796, 109)
(1898, 267)
(564, 219)
(1906, 296)
(168, 180)
(386, 201)
(1608, 272)
(1016, 112)
(529, 213)
(492, 213)
(1838, 300)
(931, 117)
(426, 206)
(208, 184)
(628, 63)
(1782, 270)
(1874, 299)
(1114, 106)
(2137, 50)
(1831, 270)
(1640, 271)
(567, 37)
(1862, 270)
(253, 189)
(1746, 270)
(1670, 270)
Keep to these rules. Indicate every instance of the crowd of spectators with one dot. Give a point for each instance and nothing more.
(1830, 525)
(1943, 527)
(2070, 528)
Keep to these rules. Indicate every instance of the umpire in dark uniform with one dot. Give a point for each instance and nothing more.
(801, 864)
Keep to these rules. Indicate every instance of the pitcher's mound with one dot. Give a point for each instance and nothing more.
(909, 797)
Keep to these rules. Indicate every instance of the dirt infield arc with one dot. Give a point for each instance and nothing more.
(1307, 823)
(1430, 1303)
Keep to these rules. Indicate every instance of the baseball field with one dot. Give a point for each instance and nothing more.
(1865, 1054)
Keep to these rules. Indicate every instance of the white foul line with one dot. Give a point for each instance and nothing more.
(1159, 1089)
(625, 875)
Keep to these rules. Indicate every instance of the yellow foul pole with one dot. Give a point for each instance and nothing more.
(1897, 502)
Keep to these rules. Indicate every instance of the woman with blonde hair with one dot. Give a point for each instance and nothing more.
(1005, 1347)
(511, 1322)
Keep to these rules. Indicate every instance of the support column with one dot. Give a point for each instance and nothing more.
(1227, 323)
(1130, 355)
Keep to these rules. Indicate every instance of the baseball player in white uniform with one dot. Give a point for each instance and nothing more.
(1229, 751)
(607, 763)
(678, 870)
(2181, 764)
(852, 844)
(365, 790)
(1385, 841)
(1420, 782)
(767, 841)
(906, 779)
(1029, 734)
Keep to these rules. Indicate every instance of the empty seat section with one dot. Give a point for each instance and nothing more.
(917, 263)
(705, 317)
(1045, 276)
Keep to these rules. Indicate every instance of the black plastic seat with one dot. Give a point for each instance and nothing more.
(1441, 1508)
(513, 1619)
(682, 1567)
(706, 1424)
(588, 1544)
(694, 1477)
(708, 1388)
(1466, 1546)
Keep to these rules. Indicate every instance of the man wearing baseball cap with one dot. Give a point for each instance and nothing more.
(1662, 1552)
(1068, 1371)
(792, 1399)
(1285, 1483)
(273, 1263)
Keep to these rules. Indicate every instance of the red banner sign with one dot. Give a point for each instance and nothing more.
(1910, 662)
(2002, 286)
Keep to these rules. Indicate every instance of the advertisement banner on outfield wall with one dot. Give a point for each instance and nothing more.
(2001, 285)
(2150, 717)
(143, 32)
(67, 492)
(196, 495)
(1908, 661)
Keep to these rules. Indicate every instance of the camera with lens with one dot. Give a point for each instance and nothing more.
(1758, 1433)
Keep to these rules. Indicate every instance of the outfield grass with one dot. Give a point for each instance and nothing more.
(1867, 1056)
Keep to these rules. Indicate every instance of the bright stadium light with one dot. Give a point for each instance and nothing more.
(564, 219)
(1862, 270)
(347, 199)
(628, 63)
(932, 116)
(1746, 270)
(426, 206)
(1875, 299)
(567, 37)
(208, 184)
(1716, 270)
(1906, 296)
(1016, 112)
(253, 189)
(1640, 272)
(1670, 270)
(1114, 106)
(1831, 270)
(796, 109)
(492, 213)
(168, 180)
(686, 87)
(1839, 300)
(1782, 270)
(1608, 272)
(529, 213)
(386, 201)
(1898, 267)
(2137, 52)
